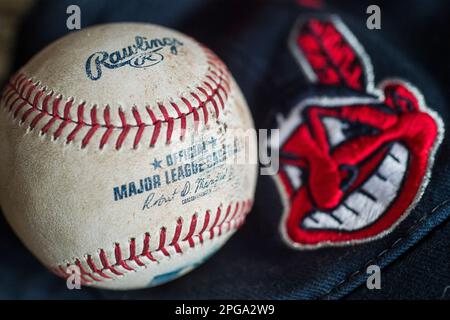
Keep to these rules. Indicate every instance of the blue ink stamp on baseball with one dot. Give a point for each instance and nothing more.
(141, 54)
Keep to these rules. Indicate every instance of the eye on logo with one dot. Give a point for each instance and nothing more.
(353, 164)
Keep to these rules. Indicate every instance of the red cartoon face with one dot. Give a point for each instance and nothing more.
(351, 168)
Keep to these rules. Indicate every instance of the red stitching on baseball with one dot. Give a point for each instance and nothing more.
(86, 277)
(36, 120)
(236, 210)
(162, 242)
(109, 127)
(146, 250)
(141, 127)
(80, 124)
(182, 118)
(193, 111)
(7, 96)
(45, 102)
(213, 101)
(97, 274)
(205, 224)
(211, 231)
(203, 107)
(227, 85)
(27, 114)
(21, 88)
(92, 130)
(126, 128)
(120, 261)
(37, 97)
(169, 120)
(105, 263)
(19, 83)
(30, 87)
(176, 236)
(65, 122)
(95, 269)
(191, 231)
(224, 219)
(133, 255)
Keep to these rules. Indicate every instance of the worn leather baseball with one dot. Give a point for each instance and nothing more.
(121, 157)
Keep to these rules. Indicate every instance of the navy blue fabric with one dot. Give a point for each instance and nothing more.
(251, 37)
(422, 273)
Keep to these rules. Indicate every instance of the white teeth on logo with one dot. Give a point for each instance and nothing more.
(295, 176)
(367, 203)
(335, 130)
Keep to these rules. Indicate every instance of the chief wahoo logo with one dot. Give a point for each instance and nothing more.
(352, 165)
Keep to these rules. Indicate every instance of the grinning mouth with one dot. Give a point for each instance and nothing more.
(368, 202)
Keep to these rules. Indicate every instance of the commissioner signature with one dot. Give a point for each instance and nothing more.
(189, 192)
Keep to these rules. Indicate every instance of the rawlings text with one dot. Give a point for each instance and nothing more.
(143, 53)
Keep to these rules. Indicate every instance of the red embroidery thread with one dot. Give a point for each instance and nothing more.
(352, 167)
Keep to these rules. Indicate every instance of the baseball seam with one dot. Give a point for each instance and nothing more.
(52, 114)
(42, 110)
(103, 266)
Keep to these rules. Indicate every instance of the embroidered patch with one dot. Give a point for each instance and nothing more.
(353, 164)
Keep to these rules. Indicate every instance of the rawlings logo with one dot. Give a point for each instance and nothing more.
(353, 163)
(143, 53)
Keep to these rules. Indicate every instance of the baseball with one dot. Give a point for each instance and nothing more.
(118, 155)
